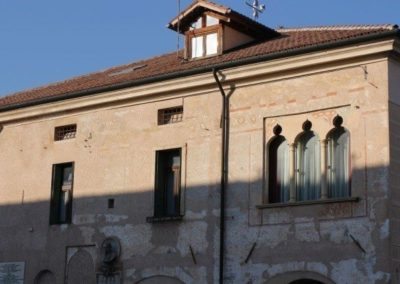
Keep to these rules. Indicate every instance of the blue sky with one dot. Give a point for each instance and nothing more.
(46, 41)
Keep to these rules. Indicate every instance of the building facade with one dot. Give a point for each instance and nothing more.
(115, 177)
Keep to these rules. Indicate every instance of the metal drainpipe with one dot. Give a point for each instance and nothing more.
(224, 173)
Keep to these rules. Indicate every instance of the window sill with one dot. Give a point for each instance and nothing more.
(164, 219)
(309, 202)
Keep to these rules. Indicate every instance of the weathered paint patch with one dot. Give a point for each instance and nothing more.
(318, 267)
(192, 234)
(339, 232)
(353, 271)
(187, 276)
(306, 232)
(276, 269)
(164, 250)
(86, 219)
(135, 240)
(115, 218)
(384, 230)
(130, 273)
(87, 234)
(190, 215)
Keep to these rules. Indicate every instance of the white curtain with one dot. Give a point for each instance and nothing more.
(278, 170)
(282, 171)
(308, 169)
(338, 163)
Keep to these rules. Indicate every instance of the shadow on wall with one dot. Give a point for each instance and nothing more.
(185, 251)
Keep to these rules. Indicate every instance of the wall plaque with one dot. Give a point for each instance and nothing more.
(12, 272)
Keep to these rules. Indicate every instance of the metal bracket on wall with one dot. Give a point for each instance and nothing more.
(357, 243)
(250, 253)
(193, 255)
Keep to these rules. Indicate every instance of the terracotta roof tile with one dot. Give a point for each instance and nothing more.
(291, 39)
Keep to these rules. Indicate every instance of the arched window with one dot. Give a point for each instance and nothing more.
(338, 160)
(308, 167)
(278, 168)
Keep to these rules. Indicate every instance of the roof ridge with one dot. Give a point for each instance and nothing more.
(340, 27)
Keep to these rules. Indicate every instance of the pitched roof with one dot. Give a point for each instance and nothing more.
(170, 65)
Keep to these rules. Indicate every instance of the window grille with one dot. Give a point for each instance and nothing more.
(170, 115)
(65, 132)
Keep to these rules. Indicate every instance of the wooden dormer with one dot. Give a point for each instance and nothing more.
(211, 29)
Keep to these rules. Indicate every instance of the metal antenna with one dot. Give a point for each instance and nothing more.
(257, 8)
(179, 28)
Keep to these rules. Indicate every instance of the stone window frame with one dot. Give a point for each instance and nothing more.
(324, 198)
(61, 194)
(160, 218)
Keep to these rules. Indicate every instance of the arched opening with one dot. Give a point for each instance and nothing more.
(338, 160)
(306, 281)
(299, 277)
(278, 169)
(160, 279)
(81, 269)
(308, 166)
(45, 277)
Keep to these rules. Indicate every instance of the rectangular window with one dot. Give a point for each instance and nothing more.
(65, 132)
(61, 193)
(168, 183)
(170, 115)
(197, 46)
(211, 44)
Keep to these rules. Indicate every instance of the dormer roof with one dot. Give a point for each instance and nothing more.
(227, 15)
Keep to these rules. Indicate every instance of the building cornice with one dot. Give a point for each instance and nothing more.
(199, 83)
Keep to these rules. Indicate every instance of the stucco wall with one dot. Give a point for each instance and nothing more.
(114, 155)
(346, 242)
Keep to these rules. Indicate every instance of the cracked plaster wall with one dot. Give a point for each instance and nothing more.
(114, 154)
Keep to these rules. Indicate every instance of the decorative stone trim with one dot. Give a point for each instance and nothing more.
(164, 219)
(308, 202)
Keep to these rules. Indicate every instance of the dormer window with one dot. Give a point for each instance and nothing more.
(212, 29)
(204, 37)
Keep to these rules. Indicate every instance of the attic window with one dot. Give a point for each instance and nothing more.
(203, 37)
(65, 132)
(204, 21)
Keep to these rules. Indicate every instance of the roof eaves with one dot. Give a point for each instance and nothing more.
(340, 28)
(194, 71)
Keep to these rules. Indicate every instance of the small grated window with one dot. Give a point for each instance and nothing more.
(170, 115)
(65, 132)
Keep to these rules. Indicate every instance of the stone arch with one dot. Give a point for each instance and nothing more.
(81, 269)
(299, 277)
(45, 277)
(160, 279)
(306, 281)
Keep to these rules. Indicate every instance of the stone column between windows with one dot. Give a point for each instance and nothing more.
(324, 186)
(292, 172)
